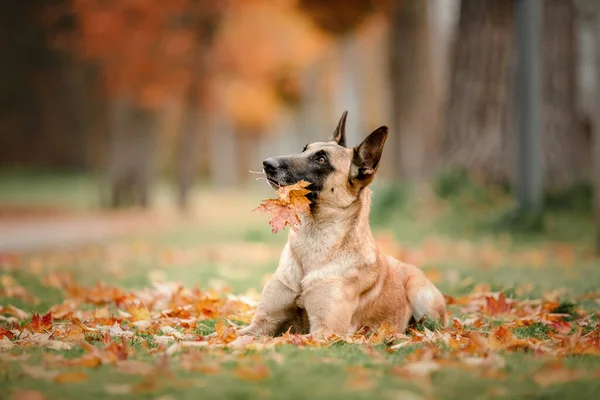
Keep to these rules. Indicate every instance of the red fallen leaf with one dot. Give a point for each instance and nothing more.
(496, 306)
(284, 210)
(7, 333)
(40, 324)
(255, 373)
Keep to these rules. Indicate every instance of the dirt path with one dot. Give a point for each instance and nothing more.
(19, 233)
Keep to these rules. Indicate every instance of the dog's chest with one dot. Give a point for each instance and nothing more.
(315, 247)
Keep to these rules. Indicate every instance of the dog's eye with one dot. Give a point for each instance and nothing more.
(321, 160)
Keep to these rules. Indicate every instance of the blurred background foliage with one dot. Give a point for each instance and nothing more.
(125, 95)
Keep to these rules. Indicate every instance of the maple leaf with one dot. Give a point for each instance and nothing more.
(139, 313)
(40, 324)
(225, 333)
(497, 306)
(284, 210)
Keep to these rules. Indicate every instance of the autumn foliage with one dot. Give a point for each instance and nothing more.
(284, 210)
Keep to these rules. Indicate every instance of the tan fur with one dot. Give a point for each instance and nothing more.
(332, 278)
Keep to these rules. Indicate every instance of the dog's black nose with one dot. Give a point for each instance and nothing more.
(270, 165)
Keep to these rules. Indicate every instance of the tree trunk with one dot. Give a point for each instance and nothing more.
(223, 150)
(565, 145)
(596, 129)
(528, 105)
(187, 152)
(479, 132)
(415, 96)
(478, 126)
(131, 154)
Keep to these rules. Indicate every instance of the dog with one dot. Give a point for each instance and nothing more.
(331, 278)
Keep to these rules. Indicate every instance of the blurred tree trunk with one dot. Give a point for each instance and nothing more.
(479, 132)
(223, 150)
(596, 128)
(527, 100)
(131, 153)
(416, 101)
(187, 152)
(478, 126)
(565, 146)
(247, 154)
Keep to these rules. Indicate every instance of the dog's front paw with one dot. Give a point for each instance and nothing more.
(248, 331)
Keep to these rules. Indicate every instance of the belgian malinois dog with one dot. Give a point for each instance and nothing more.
(331, 276)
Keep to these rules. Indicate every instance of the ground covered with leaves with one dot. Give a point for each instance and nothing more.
(154, 315)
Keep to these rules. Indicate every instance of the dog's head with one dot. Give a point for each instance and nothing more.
(337, 174)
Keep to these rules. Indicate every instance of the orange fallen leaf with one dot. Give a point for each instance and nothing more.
(87, 361)
(71, 377)
(284, 210)
(497, 306)
(225, 333)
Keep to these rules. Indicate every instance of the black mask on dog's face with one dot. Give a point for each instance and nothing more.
(333, 171)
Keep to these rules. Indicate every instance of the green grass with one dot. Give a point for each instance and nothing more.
(183, 253)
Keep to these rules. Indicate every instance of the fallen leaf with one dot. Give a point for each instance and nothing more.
(40, 324)
(38, 372)
(284, 210)
(28, 395)
(71, 377)
(118, 388)
(139, 313)
(555, 373)
(256, 372)
(224, 332)
(6, 344)
(497, 306)
(134, 367)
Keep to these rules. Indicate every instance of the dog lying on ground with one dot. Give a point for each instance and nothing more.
(331, 276)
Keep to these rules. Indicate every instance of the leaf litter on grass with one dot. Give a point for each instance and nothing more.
(116, 328)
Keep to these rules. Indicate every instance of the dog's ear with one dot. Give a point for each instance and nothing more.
(367, 155)
(339, 135)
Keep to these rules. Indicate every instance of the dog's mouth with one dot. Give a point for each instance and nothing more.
(274, 183)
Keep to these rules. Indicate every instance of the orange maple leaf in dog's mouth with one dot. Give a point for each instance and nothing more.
(284, 210)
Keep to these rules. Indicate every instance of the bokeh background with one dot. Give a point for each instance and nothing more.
(127, 132)
(143, 105)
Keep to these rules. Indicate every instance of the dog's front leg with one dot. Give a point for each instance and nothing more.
(330, 306)
(278, 300)
(277, 303)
